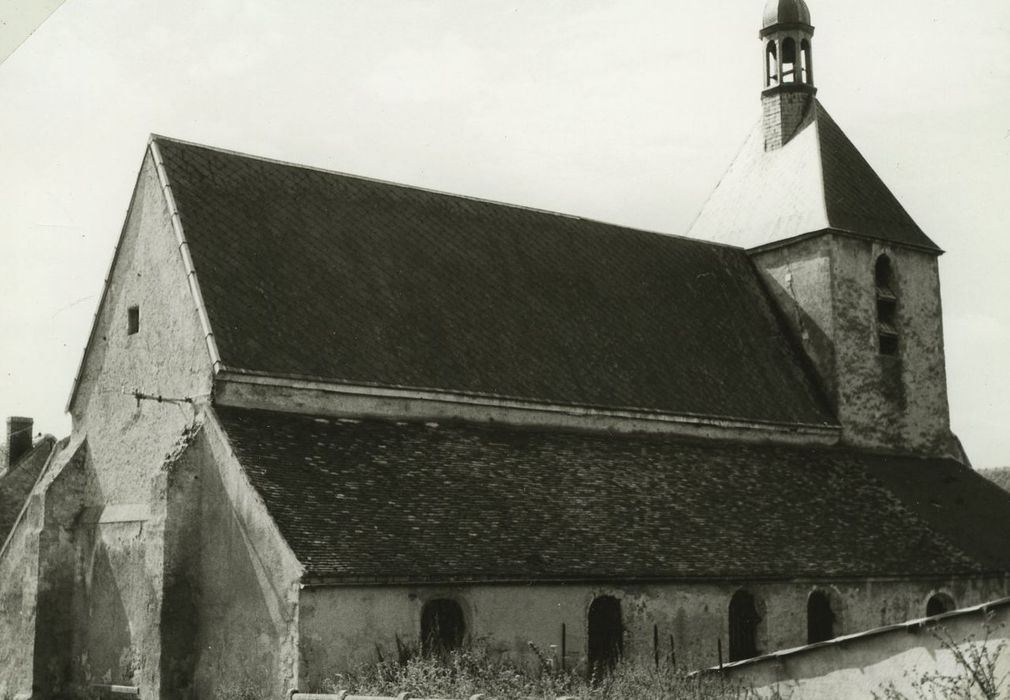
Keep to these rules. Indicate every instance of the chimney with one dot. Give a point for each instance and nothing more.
(19, 439)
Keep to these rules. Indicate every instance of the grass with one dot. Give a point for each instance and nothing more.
(475, 669)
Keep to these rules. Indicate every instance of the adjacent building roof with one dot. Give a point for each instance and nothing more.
(16, 483)
(382, 501)
(817, 182)
(310, 273)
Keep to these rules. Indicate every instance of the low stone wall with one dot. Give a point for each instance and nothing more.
(859, 665)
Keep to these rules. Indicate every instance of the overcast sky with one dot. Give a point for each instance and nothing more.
(622, 110)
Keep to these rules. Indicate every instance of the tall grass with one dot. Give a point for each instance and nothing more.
(476, 669)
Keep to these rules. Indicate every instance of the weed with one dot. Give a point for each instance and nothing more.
(477, 669)
(976, 659)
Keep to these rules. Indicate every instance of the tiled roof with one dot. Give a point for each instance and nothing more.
(817, 181)
(999, 476)
(16, 484)
(317, 274)
(381, 501)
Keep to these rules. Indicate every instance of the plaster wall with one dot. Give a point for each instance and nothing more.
(799, 279)
(128, 439)
(105, 566)
(246, 580)
(344, 626)
(116, 639)
(862, 667)
(887, 401)
(55, 645)
(99, 587)
(826, 290)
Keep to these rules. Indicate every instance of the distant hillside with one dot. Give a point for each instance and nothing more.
(999, 476)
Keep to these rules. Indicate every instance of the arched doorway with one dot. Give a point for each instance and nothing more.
(743, 626)
(938, 604)
(606, 635)
(820, 618)
(442, 626)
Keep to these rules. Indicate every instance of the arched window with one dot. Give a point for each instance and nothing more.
(771, 65)
(887, 307)
(442, 626)
(938, 604)
(743, 626)
(806, 62)
(606, 635)
(820, 618)
(789, 60)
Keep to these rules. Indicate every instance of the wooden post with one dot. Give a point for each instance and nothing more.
(673, 654)
(563, 649)
(719, 645)
(655, 644)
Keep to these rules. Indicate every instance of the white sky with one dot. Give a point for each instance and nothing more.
(621, 110)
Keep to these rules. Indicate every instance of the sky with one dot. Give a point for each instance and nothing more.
(626, 111)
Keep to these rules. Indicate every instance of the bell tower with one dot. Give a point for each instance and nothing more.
(787, 39)
(856, 279)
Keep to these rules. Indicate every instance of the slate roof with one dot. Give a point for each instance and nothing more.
(818, 181)
(17, 482)
(998, 475)
(316, 274)
(382, 501)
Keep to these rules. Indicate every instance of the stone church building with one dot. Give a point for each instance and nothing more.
(321, 417)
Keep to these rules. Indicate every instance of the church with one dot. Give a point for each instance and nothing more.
(322, 417)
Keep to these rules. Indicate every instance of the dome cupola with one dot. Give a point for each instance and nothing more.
(785, 12)
(788, 52)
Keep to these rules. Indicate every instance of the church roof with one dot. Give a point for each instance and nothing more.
(817, 182)
(309, 273)
(381, 501)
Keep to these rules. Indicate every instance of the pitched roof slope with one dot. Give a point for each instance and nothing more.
(16, 483)
(384, 501)
(817, 181)
(312, 273)
(998, 475)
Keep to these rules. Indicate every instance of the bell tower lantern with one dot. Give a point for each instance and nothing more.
(787, 39)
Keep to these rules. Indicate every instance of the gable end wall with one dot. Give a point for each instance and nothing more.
(167, 357)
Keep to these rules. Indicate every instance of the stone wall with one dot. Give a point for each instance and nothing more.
(890, 401)
(343, 626)
(862, 666)
(826, 290)
(783, 110)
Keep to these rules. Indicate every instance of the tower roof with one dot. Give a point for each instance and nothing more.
(815, 183)
(785, 12)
